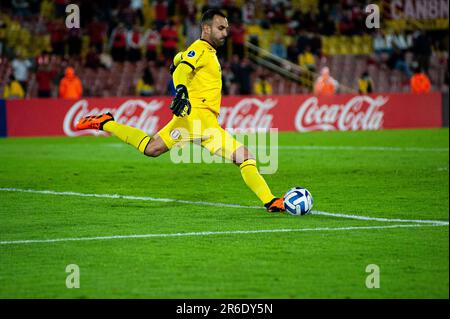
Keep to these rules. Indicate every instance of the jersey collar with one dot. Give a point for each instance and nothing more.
(209, 45)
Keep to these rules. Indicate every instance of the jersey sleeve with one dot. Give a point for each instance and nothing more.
(194, 57)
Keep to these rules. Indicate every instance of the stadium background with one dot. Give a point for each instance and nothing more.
(307, 34)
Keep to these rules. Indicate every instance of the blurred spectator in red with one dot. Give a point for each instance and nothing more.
(169, 36)
(70, 86)
(134, 43)
(92, 60)
(74, 42)
(118, 43)
(97, 32)
(152, 41)
(420, 83)
(238, 38)
(161, 14)
(57, 31)
(44, 77)
(325, 84)
(346, 25)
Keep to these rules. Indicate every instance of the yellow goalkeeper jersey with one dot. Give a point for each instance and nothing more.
(205, 81)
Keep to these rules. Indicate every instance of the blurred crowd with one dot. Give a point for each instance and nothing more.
(148, 33)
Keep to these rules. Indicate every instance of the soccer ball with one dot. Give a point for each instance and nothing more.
(298, 201)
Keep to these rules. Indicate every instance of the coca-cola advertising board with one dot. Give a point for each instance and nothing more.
(303, 113)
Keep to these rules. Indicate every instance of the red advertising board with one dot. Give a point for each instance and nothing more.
(50, 117)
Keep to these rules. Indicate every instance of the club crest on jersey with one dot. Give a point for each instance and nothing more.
(191, 54)
(175, 134)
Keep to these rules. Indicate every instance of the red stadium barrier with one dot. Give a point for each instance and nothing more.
(50, 117)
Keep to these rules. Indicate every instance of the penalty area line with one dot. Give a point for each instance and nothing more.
(210, 233)
(171, 200)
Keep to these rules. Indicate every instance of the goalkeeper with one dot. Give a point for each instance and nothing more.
(197, 77)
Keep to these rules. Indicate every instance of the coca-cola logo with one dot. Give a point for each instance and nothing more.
(361, 112)
(136, 113)
(248, 115)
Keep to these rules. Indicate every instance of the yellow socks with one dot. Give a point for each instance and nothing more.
(255, 181)
(128, 134)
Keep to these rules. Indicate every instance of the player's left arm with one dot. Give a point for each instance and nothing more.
(181, 106)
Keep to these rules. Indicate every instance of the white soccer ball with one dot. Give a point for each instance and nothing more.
(298, 201)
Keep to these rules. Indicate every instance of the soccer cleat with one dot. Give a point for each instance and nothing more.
(94, 122)
(275, 205)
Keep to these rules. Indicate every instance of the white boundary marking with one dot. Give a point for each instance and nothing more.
(171, 200)
(208, 233)
(338, 148)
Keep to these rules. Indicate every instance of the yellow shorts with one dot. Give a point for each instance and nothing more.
(202, 127)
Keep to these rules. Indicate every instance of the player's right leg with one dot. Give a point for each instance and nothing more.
(150, 146)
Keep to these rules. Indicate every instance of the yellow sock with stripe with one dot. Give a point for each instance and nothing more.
(255, 181)
(130, 135)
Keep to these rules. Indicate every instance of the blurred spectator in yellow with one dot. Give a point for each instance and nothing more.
(365, 83)
(47, 9)
(13, 89)
(325, 84)
(146, 85)
(420, 83)
(307, 59)
(262, 86)
(70, 86)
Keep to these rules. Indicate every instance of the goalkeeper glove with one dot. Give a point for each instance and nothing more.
(180, 105)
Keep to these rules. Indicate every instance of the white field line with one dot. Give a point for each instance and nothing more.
(208, 233)
(337, 148)
(171, 200)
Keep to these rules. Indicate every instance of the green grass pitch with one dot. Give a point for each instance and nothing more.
(392, 174)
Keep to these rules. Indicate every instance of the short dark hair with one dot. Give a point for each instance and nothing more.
(209, 14)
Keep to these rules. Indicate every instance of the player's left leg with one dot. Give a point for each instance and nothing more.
(221, 143)
(254, 180)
